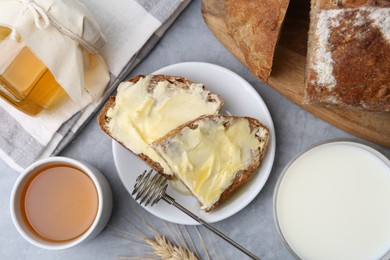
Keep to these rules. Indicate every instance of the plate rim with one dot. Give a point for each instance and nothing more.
(270, 153)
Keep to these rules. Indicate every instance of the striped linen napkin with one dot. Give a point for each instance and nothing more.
(132, 28)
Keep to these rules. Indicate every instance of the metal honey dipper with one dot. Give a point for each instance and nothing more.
(151, 188)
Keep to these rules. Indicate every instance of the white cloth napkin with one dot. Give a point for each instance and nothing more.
(132, 28)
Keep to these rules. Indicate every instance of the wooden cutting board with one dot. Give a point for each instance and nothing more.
(288, 70)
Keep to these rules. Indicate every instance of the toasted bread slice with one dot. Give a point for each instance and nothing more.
(214, 155)
(148, 107)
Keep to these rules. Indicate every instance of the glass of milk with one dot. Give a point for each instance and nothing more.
(333, 202)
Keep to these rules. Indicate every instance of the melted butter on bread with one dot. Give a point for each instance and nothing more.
(207, 155)
(142, 113)
(179, 186)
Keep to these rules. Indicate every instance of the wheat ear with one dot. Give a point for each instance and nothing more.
(164, 249)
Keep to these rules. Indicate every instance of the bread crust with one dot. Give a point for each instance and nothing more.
(103, 119)
(241, 176)
(358, 51)
(255, 25)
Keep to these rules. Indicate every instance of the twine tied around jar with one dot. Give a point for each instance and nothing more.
(41, 19)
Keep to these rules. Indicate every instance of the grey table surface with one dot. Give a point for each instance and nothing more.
(188, 39)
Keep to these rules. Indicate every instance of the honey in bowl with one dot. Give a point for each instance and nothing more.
(59, 203)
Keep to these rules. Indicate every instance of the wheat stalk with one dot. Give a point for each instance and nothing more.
(158, 246)
(164, 249)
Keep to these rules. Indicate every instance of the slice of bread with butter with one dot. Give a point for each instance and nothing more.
(214, 155)
(147, 107)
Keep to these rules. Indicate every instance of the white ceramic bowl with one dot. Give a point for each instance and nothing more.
(102, 215)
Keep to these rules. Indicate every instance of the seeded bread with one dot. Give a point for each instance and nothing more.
(255, 25)
(348, 61)
(172, 147)
(178, 82)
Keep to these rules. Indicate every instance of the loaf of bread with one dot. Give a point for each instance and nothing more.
(147, 107)
(348, 61)
(255, 25)
(214, 155)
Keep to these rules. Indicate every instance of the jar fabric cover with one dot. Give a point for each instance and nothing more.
(66, 38)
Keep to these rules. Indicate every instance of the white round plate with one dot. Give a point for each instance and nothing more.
(240, 100)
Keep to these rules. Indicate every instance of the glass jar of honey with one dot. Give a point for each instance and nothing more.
(25, 82)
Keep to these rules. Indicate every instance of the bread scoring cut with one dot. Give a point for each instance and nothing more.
(147, 107)
(214, 155)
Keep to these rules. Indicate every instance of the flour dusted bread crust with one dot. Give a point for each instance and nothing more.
(214, 155)
(348, 61)
(187, 110)
(255, 25)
